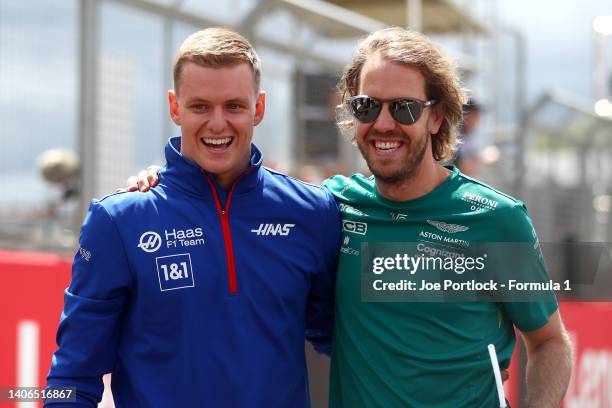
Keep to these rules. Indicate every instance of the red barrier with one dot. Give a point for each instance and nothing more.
(590, 328)
(30, 306)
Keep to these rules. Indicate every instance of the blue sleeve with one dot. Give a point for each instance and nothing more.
(321, 299)
(88, 331)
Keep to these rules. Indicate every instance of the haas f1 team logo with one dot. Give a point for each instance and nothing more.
(150, 241)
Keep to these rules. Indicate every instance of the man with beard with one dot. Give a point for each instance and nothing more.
(406, 102)
(402, 103)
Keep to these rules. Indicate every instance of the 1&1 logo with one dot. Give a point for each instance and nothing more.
(174, 272)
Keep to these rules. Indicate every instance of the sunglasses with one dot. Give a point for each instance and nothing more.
(404, 110)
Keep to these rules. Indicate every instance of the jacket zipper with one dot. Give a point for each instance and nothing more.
(225, 228)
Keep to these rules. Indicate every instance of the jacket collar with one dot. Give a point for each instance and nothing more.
(187, 176)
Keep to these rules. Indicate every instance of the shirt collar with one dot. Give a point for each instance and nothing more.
(187, 176)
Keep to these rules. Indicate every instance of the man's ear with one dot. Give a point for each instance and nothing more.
(436, 116)
(260, 108)
(174, 107)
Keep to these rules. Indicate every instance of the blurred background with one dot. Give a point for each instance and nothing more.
(83, 105)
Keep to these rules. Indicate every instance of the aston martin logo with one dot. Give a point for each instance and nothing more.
(451, 228)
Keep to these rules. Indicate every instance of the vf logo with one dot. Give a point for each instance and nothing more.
(150, 241)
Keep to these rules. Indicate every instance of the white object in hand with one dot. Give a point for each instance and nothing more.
(497, 374)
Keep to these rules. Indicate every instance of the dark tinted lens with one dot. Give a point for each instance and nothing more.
(365, 109)
(406, 111)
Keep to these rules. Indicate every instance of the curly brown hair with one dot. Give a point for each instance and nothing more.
(407, 47)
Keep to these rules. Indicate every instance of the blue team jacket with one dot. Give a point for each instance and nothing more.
(193, 296)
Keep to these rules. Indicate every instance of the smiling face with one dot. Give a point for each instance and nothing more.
(217, 109)
(394, 151)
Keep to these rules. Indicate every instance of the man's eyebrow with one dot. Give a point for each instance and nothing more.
(239, 100)
(196, 99)
(229, 100)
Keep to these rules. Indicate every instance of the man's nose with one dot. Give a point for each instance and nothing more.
(217, 120)
(384, 122)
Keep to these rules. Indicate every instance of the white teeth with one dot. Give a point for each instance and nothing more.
(217, 142)
(387, 145)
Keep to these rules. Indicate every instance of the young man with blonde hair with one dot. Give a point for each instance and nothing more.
(401, 104)
(201, 291)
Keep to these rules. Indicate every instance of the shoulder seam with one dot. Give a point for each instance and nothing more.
(278, 173)
(496, 191)
(104, 197)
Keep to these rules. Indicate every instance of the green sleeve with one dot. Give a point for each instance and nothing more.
(528, 263)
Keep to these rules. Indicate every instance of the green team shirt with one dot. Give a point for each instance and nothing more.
(416, 354)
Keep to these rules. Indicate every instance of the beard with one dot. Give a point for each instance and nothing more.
(409, 163)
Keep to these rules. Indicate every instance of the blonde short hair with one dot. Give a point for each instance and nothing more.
(416, 50)
(216, 47)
